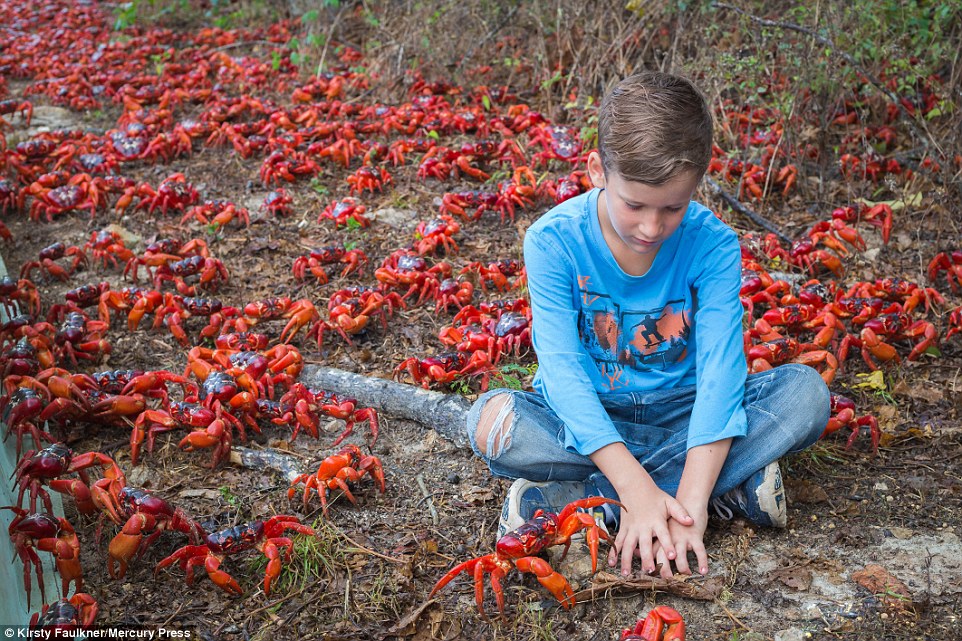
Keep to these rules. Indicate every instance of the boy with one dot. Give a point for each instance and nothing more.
(641, 392)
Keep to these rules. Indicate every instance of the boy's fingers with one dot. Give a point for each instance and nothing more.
(627, 552)
(678, 512)
(665, 564)
(664, 537)
(702, 557)
(681, 562)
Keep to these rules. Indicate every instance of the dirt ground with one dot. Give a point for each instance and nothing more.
(895, 515)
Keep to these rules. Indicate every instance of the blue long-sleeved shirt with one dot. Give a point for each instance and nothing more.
(598, 330)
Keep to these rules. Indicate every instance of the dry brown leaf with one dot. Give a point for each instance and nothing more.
(893, 594)
(804, 491)
(477, 495)
(797, 577)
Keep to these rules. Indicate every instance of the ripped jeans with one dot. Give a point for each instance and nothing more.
(787, 408)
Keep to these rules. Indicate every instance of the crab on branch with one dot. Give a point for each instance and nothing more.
(309, 404)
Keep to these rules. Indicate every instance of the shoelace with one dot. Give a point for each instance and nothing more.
(723, 511)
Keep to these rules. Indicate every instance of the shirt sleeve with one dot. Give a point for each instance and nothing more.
(563, 364)
(718, 412)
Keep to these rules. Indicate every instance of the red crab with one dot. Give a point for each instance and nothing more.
(453, 291)
(405, 268)
(444, 368)
(19, 291)
(266, 536)
(66, 615)
(843, 415)
(352, 259)
(49, 534)
(497, 273)
(519, 549)
(217, 213)
(339, 470)
(176, 415)
(369, 178)
(108, 246)
(79, 192)
(138, 300)
(432, 234)
(557, 143)
(310, 403)
(287, 166)
(47, 257)
(24, 108)
(145, 512)
(344, 212)
(351, 309)
(211, 273)
(164, 251)
(951, 264)
(278, 202)
(955, 323)
(177, 309)
(174, 192)
(894, 327)
(661, 624)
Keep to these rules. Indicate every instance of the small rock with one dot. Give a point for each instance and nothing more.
(453, 478)
(396, 218)
(880, 487)
(791, 634)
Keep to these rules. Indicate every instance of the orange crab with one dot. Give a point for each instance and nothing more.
(518, 548)
(336, 471)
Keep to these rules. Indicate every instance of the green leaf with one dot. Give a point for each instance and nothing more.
(486, 102)
(434, 134)
(932, 350)
(310, 16)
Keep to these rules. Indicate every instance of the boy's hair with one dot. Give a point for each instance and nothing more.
(654, 126)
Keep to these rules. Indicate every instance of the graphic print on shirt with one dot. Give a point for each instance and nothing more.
(637, 339)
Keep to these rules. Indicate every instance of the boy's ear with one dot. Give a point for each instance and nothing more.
(596, 171)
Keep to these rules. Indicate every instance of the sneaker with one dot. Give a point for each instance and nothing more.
(760, 499)
(527, 497)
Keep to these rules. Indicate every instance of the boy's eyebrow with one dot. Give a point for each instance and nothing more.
(632, 203)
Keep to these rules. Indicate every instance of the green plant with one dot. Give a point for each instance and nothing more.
(228, 496)
(322, 556)
(511, 375)
(318, 187)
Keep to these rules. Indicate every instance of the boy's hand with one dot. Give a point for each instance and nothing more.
(646, 521)
(686, 538)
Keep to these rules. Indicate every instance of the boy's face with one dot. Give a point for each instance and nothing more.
(642, 216)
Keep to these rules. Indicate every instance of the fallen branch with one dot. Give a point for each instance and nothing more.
(689, 587)
(737, 205)
(444, 413)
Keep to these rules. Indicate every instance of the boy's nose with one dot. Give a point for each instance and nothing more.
(649, 227)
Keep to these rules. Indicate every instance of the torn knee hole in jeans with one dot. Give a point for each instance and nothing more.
(494, 431)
